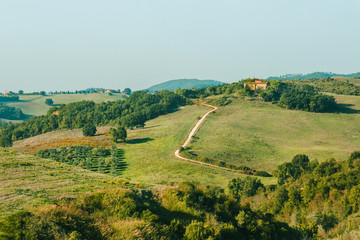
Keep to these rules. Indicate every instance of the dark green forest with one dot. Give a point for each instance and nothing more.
(11, 113)
(9, 98)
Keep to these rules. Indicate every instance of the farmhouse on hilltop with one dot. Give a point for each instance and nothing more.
(256, 84)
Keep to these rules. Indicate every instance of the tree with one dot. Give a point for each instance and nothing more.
(354, 155)
(101, 165)
(43, 93)
(246, 187)
(49, 101)
(5, 141)
(301, 161)
(89, 130)
(280, 198)
(114, 134)
(294, 197)
(286, 171)
(21, 92)
(197, 230)
(122, 133)
(127, 91)
(119, 133)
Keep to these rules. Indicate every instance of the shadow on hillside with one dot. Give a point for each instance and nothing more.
(151, 127)
(27, 116)
(121, 164)
(139, 140)
(347, 108)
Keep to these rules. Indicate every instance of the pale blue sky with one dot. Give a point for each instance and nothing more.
(68, 45)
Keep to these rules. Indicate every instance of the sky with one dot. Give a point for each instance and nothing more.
(73, 45)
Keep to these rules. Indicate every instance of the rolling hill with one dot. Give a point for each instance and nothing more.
(183, 83)
(34, 105)
(262, 136)
(314, 75)
(149, 152)
(247, 131)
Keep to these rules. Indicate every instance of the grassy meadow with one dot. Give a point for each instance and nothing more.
(149, 152)
(28, 181)
(262, 136)
(34, 105)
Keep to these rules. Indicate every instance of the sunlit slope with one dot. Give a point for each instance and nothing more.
(28, 181)
(149, 152)
(262, 136)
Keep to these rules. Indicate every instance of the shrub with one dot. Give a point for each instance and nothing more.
(49, 101)
(262, 174)
(354, 155)
(196, 230)
(246, 187)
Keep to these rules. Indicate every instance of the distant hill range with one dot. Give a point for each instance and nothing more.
(183, 83)
(314, 75)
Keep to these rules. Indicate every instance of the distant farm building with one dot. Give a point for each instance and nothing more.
(256, 84)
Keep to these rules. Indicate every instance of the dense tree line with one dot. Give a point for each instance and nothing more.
(299, 97)
(187, 212)
(9, 98)
(292, 95)
(314, 75)
(131, 112)
(11, 113)
(334, 86)
(211, 91)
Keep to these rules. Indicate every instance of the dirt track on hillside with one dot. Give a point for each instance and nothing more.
(191, 134)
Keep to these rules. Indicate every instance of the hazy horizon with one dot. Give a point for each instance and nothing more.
(68, 45)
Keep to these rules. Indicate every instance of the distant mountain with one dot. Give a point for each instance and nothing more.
(314, 75)
(183, 83)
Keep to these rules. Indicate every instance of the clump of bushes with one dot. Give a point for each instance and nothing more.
(242, 168)
(188, 211)
(298, 97)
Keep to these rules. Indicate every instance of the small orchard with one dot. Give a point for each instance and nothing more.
(97, 159)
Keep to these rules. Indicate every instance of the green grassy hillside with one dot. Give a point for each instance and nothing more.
(149, 152)
(35, 104)
(28, 181)
(262, 136)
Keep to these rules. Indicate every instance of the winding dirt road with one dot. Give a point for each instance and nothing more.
(193, 131)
